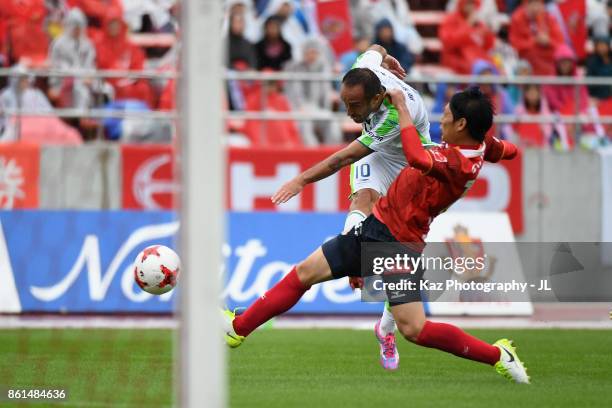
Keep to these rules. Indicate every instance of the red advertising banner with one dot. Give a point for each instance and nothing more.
(335, 23)
(255, 174)
(19, 172)
(148, 177)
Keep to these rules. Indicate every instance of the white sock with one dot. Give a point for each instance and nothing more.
(387, 322)
(353, 218)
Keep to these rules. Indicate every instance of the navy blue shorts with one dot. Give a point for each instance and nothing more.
(344, 254)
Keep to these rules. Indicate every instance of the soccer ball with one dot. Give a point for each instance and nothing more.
(156, 269)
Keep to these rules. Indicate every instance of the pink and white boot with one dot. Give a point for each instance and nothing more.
(389, 356)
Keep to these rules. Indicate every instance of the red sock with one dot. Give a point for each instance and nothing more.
(277, 300)
(453, 340)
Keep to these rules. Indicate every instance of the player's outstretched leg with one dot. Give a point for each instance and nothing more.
(411, 322)
(385, 334)
(280, 298)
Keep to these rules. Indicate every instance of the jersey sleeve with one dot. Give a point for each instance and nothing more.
(368, 59)
(387, 131)
(439, 162)
(497, 150)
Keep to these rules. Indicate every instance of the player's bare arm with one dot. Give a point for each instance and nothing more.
(344, 157)
(389, 62)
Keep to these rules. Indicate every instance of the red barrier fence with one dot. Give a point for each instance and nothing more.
(253, 175)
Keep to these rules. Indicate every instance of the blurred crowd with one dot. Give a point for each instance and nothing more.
(478, 37)
(564, 38)
(81, 35)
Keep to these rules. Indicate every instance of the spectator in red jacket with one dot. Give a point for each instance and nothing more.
(271, 133)
(114, 51)
(96, 11)
(464, 38)
(27, 40)
(167, 99)
(4, 48)
(535, 35)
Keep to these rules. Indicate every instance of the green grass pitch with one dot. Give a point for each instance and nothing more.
(310, 368)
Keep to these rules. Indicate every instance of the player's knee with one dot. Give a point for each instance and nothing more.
(306, 273)
(410, 329)
(364, 200)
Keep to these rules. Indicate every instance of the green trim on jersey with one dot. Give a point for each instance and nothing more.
(357, 60)
(365, 139)
(393, 117)
(426, 142)
(390, 122)
(351, 177)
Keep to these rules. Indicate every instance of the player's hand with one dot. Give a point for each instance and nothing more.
(394, 67)
(397, 97)
(288, 190)
(356, 282)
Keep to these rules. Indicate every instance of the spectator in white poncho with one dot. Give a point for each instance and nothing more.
(313, 96)
(22, 96)
(367, 13)
(72, 50)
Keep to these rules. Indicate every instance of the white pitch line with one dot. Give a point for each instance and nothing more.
(290, 322)
(87, 322)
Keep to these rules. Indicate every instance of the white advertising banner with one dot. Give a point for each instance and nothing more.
(606, 203)
(469, 233)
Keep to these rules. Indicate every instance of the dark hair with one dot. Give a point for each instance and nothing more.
(477, 110)
(273, 19)
(366, 78)
(527, 87)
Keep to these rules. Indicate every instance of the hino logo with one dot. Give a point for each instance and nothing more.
(145, 186)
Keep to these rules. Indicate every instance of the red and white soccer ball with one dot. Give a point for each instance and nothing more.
(156, 269)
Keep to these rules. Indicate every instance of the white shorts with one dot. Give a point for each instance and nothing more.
(376, 171)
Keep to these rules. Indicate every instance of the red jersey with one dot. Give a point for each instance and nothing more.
(427, 188)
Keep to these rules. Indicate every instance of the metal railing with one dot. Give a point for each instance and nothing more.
(442, 78)
(577, 119)
(90, 73)
(96, 112)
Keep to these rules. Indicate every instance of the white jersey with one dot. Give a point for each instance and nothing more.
(381, 130)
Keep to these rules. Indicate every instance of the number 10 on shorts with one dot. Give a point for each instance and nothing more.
(362, 171)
